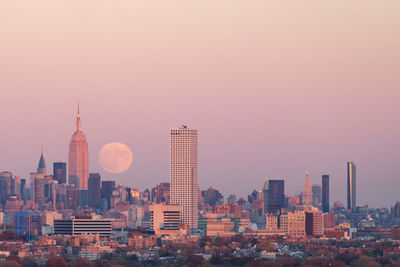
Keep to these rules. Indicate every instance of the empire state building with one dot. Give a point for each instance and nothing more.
(78, 157)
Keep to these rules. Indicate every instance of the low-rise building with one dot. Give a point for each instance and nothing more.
(80, 226)
(165, 219)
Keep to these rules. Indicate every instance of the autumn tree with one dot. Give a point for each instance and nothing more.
(56, 262)
(10, 264)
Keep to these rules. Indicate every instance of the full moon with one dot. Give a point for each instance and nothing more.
(115, 157)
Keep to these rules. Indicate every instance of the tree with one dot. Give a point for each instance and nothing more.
(100, 263)
(29, 262)
(56, 262)
(106, 257)
(132, 257)
(316, 262)
(337, 263)
(260, 264)
(288, 262)
(364, 261)
(239, 261)
(165, 252)
(347, 258)
(220, 241)
(264, 244)
(384, 261)
(80, 262)
(195, 259)
(216, 260)
(10, 264)
(239, 238)
(7, 235)
(14, 258)
(205, 241)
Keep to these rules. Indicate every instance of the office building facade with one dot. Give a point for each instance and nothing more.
(107, 187)
(351, 185)
(5, 186)
(28, 224)
(94, 190)
(317, 194)
(60, 172)
(325, 193)
(314, 222)
(83, 226)
(183, 173)
(165, 219)
(265, 194)
(276, 195)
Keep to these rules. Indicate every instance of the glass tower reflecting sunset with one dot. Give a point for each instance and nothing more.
(351, 185)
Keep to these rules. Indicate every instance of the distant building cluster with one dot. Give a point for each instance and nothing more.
(78, 207)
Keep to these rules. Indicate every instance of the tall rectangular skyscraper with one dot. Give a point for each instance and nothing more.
(317, 194)
(265, 194)
(60, 172)
(183, 173)
(78, 158)
(107, 187)
(325, 193)
(351, 185)
(276, 195)
(94, 190)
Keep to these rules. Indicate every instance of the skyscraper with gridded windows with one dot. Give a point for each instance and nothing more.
(351, 185)
(78, 157)
(183, 173)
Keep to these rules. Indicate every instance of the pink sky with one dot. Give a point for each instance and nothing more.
(274, 88)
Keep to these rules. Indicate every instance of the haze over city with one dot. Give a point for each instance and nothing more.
(273, 89)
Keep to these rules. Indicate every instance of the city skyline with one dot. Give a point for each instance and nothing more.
(275, 89)
(41, 169)
(199, 133)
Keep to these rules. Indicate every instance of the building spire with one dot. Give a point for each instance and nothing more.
(42, 164)
(78, 121)
(307, 195)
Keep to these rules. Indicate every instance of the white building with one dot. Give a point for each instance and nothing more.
(296, 224)
(165, 219)
(183, 173)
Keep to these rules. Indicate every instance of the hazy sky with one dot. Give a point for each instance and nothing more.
(274, 88)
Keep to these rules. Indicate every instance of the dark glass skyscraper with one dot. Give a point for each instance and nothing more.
(94, 190)
(325, 193)
(60, 172)
(276, 195)
(317, 195)
(265, 194)
(5, 186)
(106, 191)
(351, 185)
(83, 198)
